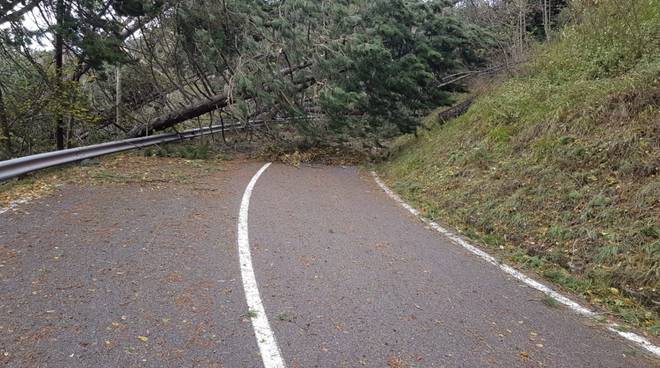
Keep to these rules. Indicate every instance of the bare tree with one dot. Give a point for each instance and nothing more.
(546, 7)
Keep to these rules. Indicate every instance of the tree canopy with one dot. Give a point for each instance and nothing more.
(89, 70)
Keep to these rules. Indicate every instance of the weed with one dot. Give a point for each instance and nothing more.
(566, 139)
(501, 134)
(599, 201)
(651, 231)
(523, 258)
(284, 317)
(558, 233)
(550, 301)
(622, 328)
(563, 278)
(606, 253)
(493, 240)
(655, 328)
(251, 313)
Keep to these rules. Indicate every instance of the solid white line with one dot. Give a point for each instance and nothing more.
(270, 352)
(637, 339)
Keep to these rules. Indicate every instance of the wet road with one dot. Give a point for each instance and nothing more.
(127, 276)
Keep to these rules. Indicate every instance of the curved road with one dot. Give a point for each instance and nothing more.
(116, 277)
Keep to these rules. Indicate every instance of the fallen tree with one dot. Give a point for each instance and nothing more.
(210, 104)
(456, 110)
(175, 117)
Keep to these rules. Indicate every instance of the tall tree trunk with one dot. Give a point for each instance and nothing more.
(205, 106)
(59, 63)
(522, 28)
(546, 8)
(68, 132)
(4, 123)
(118, 95)
(175, 117)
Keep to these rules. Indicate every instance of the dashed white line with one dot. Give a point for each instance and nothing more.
(635, 338)
(270, 352)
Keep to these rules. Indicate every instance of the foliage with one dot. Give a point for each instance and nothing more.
(369, 68)
(390, 68)
(43, 98)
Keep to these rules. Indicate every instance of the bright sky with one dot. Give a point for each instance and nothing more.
(35, 20)
(32, 21)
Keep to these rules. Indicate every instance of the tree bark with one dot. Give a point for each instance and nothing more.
(196, 109)
(4, 123)
(59, 63)
(546, 7)
(175, 117)
(522, 27)
(118, 95)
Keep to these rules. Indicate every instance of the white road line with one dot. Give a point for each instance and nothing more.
(270, 352)
(635, 338)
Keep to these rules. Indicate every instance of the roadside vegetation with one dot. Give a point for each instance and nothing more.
(556, 169)
(155, 169)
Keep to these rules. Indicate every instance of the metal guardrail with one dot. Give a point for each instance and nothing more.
(23, 165)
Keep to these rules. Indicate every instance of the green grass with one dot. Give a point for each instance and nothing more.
(550, 302)
(284, 317)
(557, 169)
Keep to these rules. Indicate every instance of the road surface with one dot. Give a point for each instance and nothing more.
(135, 276)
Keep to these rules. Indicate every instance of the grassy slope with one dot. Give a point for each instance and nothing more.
(557, 169)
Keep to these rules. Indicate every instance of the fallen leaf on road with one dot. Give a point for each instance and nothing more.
(395, 362)
(143, 338)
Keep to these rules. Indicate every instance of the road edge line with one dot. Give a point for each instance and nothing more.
(574, 306)
(270, 352)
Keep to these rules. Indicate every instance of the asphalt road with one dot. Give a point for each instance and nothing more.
(129, 276)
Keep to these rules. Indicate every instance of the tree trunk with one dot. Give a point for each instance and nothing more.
(4, 123)
(546, 7)
(175, 117)
(522, 28)
(118, 96)
(59, 63)
(68, 132)
(200, 108)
